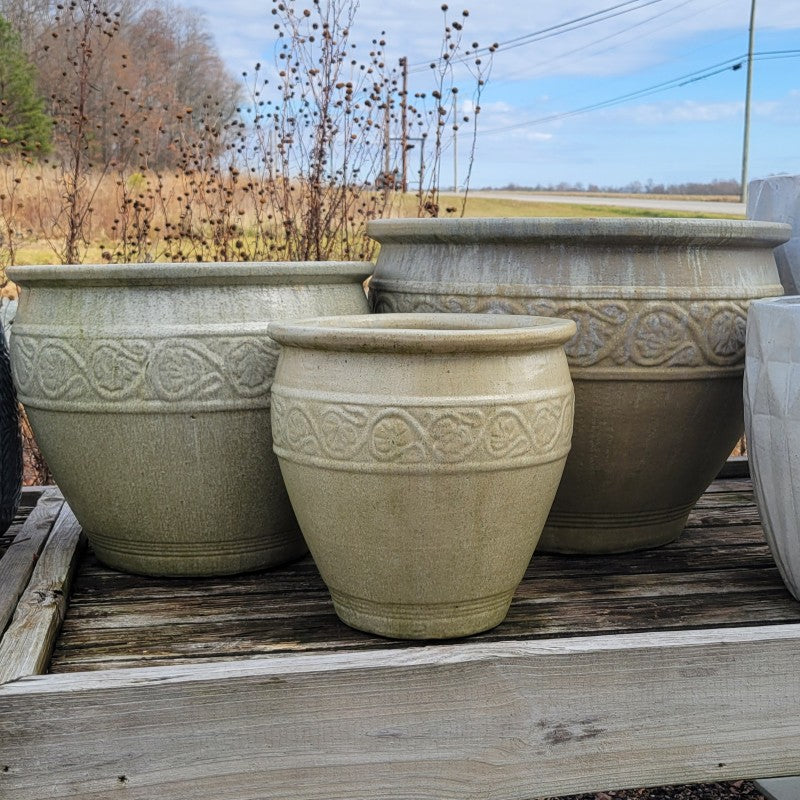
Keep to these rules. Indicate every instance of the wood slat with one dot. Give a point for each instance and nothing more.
(28, 642)
(470, 721)
(716, 575)
(19, 560)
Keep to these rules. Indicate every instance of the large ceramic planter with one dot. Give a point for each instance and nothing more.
(772, 420)
(657, 361)
(421, 454)
(148, 389)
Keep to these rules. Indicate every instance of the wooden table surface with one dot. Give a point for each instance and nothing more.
(719, 573)
(671, 665)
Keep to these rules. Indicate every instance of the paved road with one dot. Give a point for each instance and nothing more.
(708, 207)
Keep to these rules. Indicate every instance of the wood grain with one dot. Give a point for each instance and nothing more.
(19, 560)
(459, 722)
(719, 574)
(27, 643)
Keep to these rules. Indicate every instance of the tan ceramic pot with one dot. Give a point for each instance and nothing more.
(148, 389)
(421, 454)
(657, 361)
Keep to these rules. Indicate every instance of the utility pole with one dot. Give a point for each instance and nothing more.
(404, 125)
(748, 90)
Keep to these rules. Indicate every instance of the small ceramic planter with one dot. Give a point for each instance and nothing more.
(148, 390)
(772, 422)
(421, 453)
(657, 361)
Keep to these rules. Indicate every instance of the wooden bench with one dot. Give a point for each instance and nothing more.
(674, 665)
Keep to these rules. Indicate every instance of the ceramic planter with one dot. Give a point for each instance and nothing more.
(777, 199)
(657, 361)
(421, 454)
(148, 389)
(772, 421)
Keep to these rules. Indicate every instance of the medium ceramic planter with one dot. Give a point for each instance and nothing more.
(148, 389)
(657, 361)
(772, 421)
(421, 454)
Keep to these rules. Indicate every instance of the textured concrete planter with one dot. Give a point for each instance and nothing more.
(772, 420)
(657, 362)
(777, 199)
(421, 454)
(148, 389)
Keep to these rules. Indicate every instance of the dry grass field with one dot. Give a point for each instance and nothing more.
(213, 216)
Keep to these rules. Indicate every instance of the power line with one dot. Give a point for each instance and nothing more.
(682, 80)
(546, 33)
(560, 56)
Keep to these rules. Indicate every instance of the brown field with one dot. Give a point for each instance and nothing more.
(205, 216)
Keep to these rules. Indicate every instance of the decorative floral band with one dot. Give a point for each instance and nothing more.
(650, 333)
(361, 437)
(133, 374)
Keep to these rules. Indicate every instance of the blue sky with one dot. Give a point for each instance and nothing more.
(684, 133)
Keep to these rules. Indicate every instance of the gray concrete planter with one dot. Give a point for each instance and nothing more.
(421, 454)
(657, 361)
(148, 390)
(772, 420)
(777, 199)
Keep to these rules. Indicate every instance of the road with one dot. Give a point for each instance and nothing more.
(695, 206)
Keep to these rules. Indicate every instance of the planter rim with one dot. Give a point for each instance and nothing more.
(424, 333)
(661, 230)
(791, 301)
(198, 274)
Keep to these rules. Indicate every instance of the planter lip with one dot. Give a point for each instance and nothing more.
(194, 273)
(790, 301)
(424, 333)
(614, 230)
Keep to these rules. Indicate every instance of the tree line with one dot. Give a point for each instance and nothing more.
(129, 77)
(717, 187)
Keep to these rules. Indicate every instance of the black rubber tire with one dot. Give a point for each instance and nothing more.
(10, 442)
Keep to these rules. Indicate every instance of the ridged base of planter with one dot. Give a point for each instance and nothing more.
(195, 560)
(422, 620)
(598, 534)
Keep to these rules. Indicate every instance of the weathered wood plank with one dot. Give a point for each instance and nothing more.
(28, 642)
(723, 515)
(729, 484)
(457, 722)
(157, 642)
(714, 575)
(19, 560)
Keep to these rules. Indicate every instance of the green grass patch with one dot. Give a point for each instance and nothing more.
(498, 207)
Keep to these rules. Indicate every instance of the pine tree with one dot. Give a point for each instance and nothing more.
(23, 121)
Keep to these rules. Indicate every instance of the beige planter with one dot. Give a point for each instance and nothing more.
(421, 454)
(657, 362)
(148, 389)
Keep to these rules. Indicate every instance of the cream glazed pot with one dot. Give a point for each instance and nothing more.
(421, 453)
(148, 389)
(772, 422)
(657, 361)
